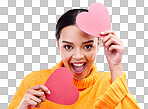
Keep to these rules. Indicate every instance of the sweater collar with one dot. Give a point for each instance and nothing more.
(85, 82)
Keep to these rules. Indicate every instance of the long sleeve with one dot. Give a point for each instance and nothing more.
(117, 96)
(24, 86)
(31, 80)
(99, 93)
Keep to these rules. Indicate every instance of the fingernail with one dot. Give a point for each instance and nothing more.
(102, 32)
(49, 92)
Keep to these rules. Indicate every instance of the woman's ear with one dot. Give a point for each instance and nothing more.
(99, 41)
(57, 41)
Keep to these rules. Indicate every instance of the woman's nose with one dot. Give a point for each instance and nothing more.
(78, 54)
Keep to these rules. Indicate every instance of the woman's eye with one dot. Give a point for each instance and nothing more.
(88, 47)
(68, 47)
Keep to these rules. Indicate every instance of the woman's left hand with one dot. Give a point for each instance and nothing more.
(114, 48)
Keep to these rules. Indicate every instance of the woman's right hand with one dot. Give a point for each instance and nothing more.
(33, 97)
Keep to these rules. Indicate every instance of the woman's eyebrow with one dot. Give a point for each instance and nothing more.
(67, 42)
(88, 41)
(82, 42)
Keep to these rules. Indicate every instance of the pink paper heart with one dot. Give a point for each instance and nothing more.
(95, 21)
(60, 85)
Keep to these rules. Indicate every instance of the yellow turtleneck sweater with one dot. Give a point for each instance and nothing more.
(96, 91)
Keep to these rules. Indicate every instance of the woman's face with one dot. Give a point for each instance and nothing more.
(78, 50)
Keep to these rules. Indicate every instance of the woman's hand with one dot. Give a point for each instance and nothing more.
(34, 97)
(114, 49)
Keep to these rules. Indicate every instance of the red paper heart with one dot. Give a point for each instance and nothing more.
(95, 21)
(60, 85)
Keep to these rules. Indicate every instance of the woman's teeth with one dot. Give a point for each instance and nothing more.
(78, 64)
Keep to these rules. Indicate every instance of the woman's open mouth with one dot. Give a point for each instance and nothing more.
(78, 68)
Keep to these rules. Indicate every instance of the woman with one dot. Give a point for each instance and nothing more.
(78, 52)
